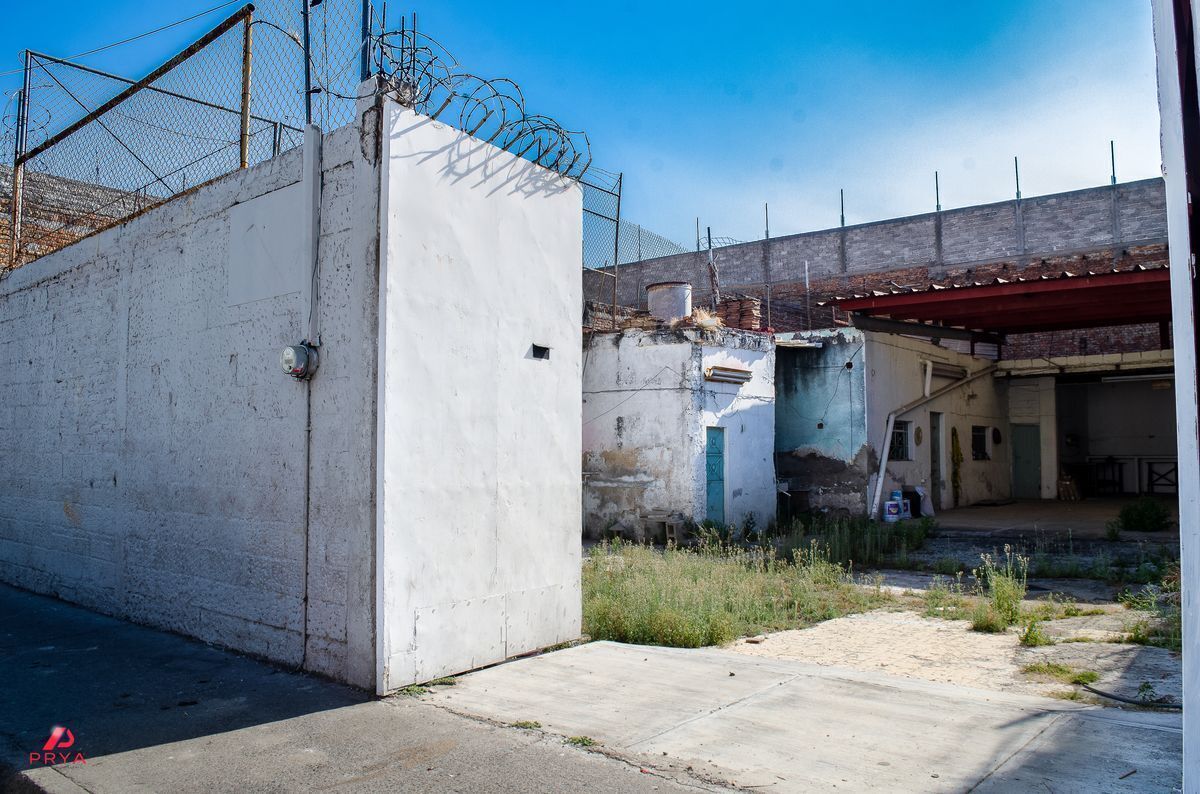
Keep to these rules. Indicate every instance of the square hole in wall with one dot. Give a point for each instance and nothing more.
(540, 352)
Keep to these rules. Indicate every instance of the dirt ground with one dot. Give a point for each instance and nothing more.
(908, 644)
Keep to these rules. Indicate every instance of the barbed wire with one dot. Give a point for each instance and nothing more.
(422, 74)
(183, 127)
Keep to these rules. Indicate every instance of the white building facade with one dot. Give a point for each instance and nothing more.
(678, 423)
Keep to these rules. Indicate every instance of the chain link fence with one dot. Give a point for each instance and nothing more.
(82, 149)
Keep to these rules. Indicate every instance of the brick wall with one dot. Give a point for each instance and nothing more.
(57, 211)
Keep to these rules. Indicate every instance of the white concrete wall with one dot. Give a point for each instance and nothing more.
(478, 467)
(747, 412)
(1033, 401)
(152, 455)
(1183, 318)
(641, 428)
(646, 407)
(896, 376)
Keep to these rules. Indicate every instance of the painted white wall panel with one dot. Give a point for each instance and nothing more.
(478, 442)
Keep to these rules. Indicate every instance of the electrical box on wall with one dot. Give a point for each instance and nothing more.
(299, 361)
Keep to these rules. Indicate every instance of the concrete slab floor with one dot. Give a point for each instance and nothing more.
(793, 726)
(152, 711)
(1085, 519)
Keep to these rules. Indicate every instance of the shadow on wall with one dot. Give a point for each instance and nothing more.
(468, 156)
(119, 686)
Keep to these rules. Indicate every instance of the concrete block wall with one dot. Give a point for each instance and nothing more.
(1102, 221)
(153, 456)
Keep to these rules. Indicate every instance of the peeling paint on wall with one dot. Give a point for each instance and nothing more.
(833, 400)
(646, 406)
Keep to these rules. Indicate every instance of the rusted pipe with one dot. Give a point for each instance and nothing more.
(18, 170)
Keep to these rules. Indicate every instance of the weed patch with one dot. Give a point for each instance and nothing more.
(1061, 672)
(528, 725)
(856, 541)
(985, 618)
(1034, 636)
(1004, 583)
(712, 594)
(1161, 618)
(947, 566)
(582, 741)
(946, 599)
(1068, 694)
(1146, 514)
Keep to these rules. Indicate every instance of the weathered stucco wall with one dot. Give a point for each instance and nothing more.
(821, 440)
(646, 407)
(831, 416)
(479, 470)
(152, 455)
(747, 413)
(896, 376)
(640, 417)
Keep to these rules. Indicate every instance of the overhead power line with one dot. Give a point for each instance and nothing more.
(135, 38)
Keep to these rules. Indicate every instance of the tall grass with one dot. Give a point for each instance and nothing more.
(1161, 604)
(1004, 580)
(857, 541)
(712, 594)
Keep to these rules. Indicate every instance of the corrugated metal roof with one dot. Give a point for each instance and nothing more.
(936, 287)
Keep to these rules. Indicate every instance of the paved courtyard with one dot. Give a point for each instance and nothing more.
(152, 711)
(785, 725)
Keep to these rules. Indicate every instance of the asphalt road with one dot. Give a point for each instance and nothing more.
(152, 711)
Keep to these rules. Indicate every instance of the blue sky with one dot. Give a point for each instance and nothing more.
(713, 109)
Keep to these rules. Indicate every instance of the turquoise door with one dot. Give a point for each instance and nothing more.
(714, 474)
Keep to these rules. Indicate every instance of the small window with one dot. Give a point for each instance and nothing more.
(541, 352)
(900, 450)
(981, 447)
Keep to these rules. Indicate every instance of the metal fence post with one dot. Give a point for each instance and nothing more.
(364, 65)
(18, 171)
(617, 241)
(245, 131)
(308, 90)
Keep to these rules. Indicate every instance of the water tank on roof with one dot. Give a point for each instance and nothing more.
(669, 300)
